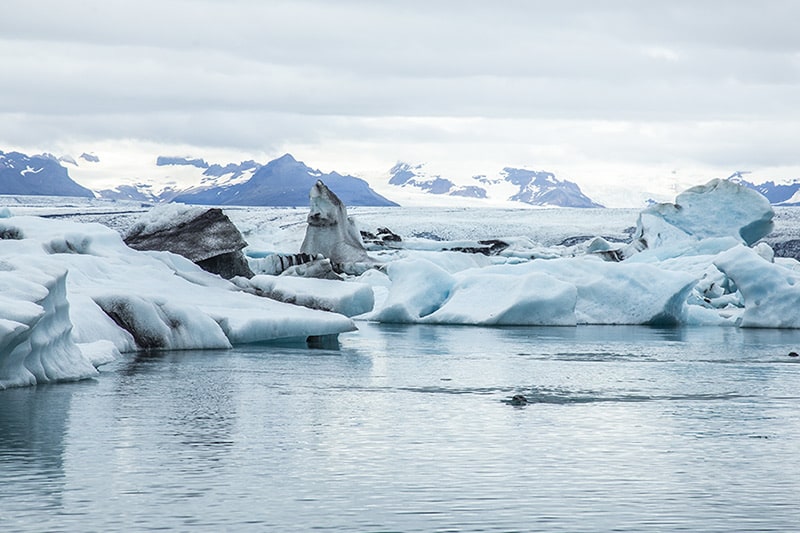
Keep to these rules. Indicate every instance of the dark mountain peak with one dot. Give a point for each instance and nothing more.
(284, 161)
(402, 173)
(286, 158)
(284, 181)
(524, 177)
(776, 193)
(41, 174)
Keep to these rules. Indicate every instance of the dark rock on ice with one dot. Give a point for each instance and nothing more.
(382, 238)
(790, 248)
(205, 237)
(485, 247)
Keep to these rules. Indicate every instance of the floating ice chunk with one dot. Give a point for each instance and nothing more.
(419, 288)
(771, 292)
(99, 352)
(160, 324)
(717, 209)
(620, 293)
(159, 299)
(35, 342)
(765, 250)
(346, 298)
(330, 232)
(205, 236)
(584, 290)
(487, 299)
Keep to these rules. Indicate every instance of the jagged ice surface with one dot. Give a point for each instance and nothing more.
(66, 283)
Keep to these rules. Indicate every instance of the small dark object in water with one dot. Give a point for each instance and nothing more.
(518, 399)
(794, 354)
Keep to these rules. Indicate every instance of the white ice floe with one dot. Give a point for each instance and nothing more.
(73, 294)
(719, 208)
(680, 273)
(65, 283)
(771, 293)
(349, 299)
(36, 345)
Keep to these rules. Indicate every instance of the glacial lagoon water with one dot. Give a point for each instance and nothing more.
(408, 428)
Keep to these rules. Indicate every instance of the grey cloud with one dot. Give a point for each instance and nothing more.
(254, 74)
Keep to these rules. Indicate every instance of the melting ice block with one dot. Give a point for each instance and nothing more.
(347, 298)
(719, 208)
(63, 283)
(330, 232)
(36, 345)
(771, 292)
(558, 292)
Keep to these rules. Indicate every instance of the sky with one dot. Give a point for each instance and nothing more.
(604, 93)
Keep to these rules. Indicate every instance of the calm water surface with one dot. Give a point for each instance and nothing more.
(409, 429)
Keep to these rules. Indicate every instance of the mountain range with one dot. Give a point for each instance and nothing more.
(37, 175)
(777, 194)
(281, 182)
(512, 184)
(286, 182)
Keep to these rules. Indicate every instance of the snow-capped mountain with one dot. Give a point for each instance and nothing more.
(139, 192)
(404, 175)
(511, 184)
(281, 182)
(40, 175)
(787, 194)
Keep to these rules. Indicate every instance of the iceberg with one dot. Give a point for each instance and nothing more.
(205, 236)
(74, 295)
(36, 345)
(331, 233)
(770, 292)
(680, 269)
(720, 208)
(557, 292)
(349, 299)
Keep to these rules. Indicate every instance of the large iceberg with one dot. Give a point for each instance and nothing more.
(690, 263)
(720, 208)
(207, 237)
(74, 294)
(331, 233)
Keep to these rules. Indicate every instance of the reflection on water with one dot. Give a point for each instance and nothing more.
(32, 426)
(409, 428)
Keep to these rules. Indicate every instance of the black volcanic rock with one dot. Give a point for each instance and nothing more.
(284, 182)
(208, 238)
(39, 175)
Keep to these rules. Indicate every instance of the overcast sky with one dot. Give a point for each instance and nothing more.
(594, 90)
